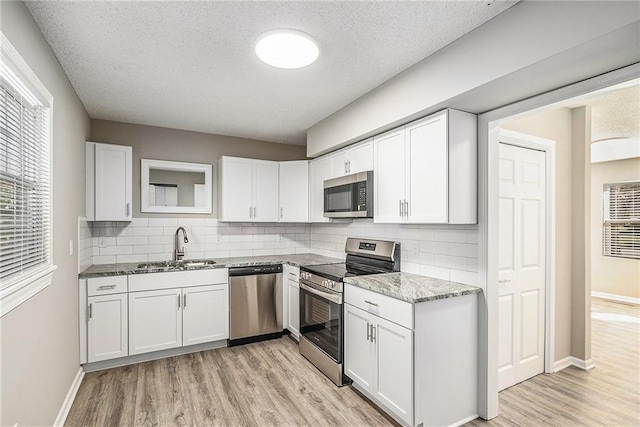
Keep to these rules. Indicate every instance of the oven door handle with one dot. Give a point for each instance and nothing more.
(328, 296)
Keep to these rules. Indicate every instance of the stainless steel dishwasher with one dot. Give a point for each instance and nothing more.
(255, 303)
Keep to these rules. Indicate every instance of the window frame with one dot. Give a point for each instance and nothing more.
(17, 290)
(609, 225)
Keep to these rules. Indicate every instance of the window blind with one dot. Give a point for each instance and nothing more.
(24, 182)
(621, 225)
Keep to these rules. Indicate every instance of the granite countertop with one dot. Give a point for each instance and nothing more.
(132, 267)
(412, 288)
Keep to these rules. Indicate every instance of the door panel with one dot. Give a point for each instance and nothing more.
(319, 171)
(389, 176)
(339, 163)
(394, 369)
(427, 173)
(155, 320)
(205, 315)
(361, 157)
(265, 184)
(113, 182)
(238, 189)
(359, 353)
(522, 274)
(107, 327)
(294, 191)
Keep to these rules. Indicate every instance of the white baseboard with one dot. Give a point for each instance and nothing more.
(561, 364)
(68, 400)
(617, 298)
(464, 421)
(585, 365)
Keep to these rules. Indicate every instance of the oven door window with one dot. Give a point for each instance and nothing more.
(321, 323)
(339, 199)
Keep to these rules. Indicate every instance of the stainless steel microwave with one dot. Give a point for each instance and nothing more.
(349, 196)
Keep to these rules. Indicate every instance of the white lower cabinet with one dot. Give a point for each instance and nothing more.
(417, 361)
(379, 358)
(205, 316)
(292, 300)
(155, 320)
(107, 327)
(163, 319)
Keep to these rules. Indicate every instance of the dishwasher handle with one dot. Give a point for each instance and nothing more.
(254, 270)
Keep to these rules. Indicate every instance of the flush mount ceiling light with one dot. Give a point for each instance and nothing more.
(285, 48)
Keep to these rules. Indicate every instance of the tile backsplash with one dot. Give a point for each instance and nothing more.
(446, 251)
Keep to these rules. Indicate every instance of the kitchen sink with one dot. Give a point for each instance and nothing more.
(175, 265)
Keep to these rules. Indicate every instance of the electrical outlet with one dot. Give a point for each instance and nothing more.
(70, 247)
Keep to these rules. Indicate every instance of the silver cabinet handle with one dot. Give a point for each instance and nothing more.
(281, 212)
(184, 301)
(368, 331)
(375, 304)
(254, 211)
(504, 281)
(178, 302)
(128, 209)
(406, 208)
(400, 202)
(106, 287)
(90, 310)
(373, 333)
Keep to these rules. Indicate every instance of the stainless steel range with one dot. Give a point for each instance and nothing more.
(321, 325)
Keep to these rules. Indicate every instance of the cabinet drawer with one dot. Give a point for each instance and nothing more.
(106, 285)
(293, 273)
(394, 310)
(177, 279)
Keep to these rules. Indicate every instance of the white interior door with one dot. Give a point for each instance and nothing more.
(522, 252)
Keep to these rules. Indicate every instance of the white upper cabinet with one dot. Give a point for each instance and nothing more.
(108, 182)
(353, 159)
(319, 171)
(294, 191)
(426, 171)
(389, 176)
(265, 193)
(248, 190)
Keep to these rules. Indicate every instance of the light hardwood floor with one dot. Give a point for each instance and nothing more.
(269, 383)
(608, 395)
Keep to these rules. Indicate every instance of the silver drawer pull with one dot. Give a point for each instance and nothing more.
(106, 287)
(375, 304)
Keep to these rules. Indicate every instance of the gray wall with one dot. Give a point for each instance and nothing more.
(39, 353)
(501, 50)
(151, 142)
(611, 275)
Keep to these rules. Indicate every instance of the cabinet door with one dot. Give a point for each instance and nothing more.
(339, 163)
(293, 323)
(205, 314)
(107, 327)
(427, 180)
(389, 176)
(113, 184)
(155, 320)
(265, 191)
(361, 157)
(394, 368)
(237, 189)
(319, 170)
(359, 351)
(294, 191)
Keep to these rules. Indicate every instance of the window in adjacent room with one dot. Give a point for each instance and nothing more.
(25, 181)
(621, 225)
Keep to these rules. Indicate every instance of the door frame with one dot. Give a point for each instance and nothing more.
(488, 137)
(548, 147)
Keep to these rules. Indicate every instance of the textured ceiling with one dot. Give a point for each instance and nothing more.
(190, 65)
(616, 114)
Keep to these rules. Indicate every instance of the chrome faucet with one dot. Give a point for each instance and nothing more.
(178, 253)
